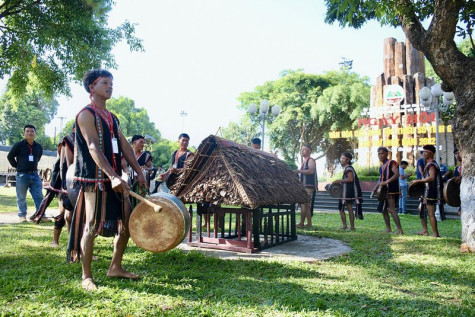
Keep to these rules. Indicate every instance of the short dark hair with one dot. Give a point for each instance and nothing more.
(137, 137)
(429, 147)
(382, 148)
(183, 135)
(456, 150)
(92, 75)
(308, 146)
(29, 126)
(404, 163)
(348, 155)
(256, 141)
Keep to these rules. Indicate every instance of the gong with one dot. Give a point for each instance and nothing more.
(452, 193)
(159, 231)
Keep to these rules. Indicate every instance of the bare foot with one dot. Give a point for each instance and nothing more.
(122, 273)
(308, 226)
(400, 232)
(54, 244)
(388, 230)
(344, 228)
(422, 233)
(352, 228)
(436, 236)
(300, 225)
(88, 284)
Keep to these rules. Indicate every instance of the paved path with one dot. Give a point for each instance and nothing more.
(304, 249)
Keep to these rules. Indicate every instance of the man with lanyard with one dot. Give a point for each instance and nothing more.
(144, 158)
(351, 192)
(178, 159)
(433, 192)
(389, 174)
(24, 156)
(308, 173)
(102, 206)
(458, 172)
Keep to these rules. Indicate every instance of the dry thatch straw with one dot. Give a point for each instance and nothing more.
(225, 172)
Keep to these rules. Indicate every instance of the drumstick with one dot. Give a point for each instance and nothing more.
(156, 208)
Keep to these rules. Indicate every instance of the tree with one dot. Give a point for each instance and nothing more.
(132, 120)
(457, 70)
(241, 132)
(33, 107)
(56, 40)
(312, 105)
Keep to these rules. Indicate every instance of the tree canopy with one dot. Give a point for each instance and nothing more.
(132, 120)
(33, 107)
(57, 41)
(311, 106)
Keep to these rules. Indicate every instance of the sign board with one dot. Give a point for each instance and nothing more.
(393, 94)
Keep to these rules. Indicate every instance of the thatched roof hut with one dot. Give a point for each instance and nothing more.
(225, 172)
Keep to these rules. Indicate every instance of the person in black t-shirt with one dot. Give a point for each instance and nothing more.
(24, 156)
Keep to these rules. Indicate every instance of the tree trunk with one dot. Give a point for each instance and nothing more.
(458, 73)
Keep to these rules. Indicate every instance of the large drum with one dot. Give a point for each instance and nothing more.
(159, 231)
(72, 193)
(452, 193)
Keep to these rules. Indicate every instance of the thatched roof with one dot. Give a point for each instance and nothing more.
(225, 172)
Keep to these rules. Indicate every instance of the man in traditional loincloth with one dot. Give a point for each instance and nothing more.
(458, 173)
(256, 143)
(308, 177)
(102, 206)
(433, 193)
(144, 158)
(388, 176)
(351, 192)
(179, 157)
(66, 149)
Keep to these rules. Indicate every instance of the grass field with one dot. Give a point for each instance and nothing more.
(8, 200)
(385, 275)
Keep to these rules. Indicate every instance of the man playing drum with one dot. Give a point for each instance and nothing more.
(102, 207)
(389, 174)
(433, 192)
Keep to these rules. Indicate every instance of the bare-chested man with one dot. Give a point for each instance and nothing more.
(102, 207)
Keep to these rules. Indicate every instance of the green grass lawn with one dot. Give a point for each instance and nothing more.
(386, 274)
(8, 200)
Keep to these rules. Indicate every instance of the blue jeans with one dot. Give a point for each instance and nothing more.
(403, 199)
(25, 181)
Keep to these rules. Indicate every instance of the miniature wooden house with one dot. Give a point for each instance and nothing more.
(248, 194)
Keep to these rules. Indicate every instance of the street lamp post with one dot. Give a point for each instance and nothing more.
(426, 94)
(264, 110)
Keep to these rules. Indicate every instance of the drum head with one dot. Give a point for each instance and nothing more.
(452, 193)
(334, 190)
(416, 190)
(382, 193)
(72, 193)
(159, 231)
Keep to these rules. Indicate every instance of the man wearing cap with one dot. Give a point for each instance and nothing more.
(433, 192)
(256, 143)
(308, 177)
(389, 174)
(351, 192)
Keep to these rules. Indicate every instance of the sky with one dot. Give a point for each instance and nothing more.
(200, 55)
